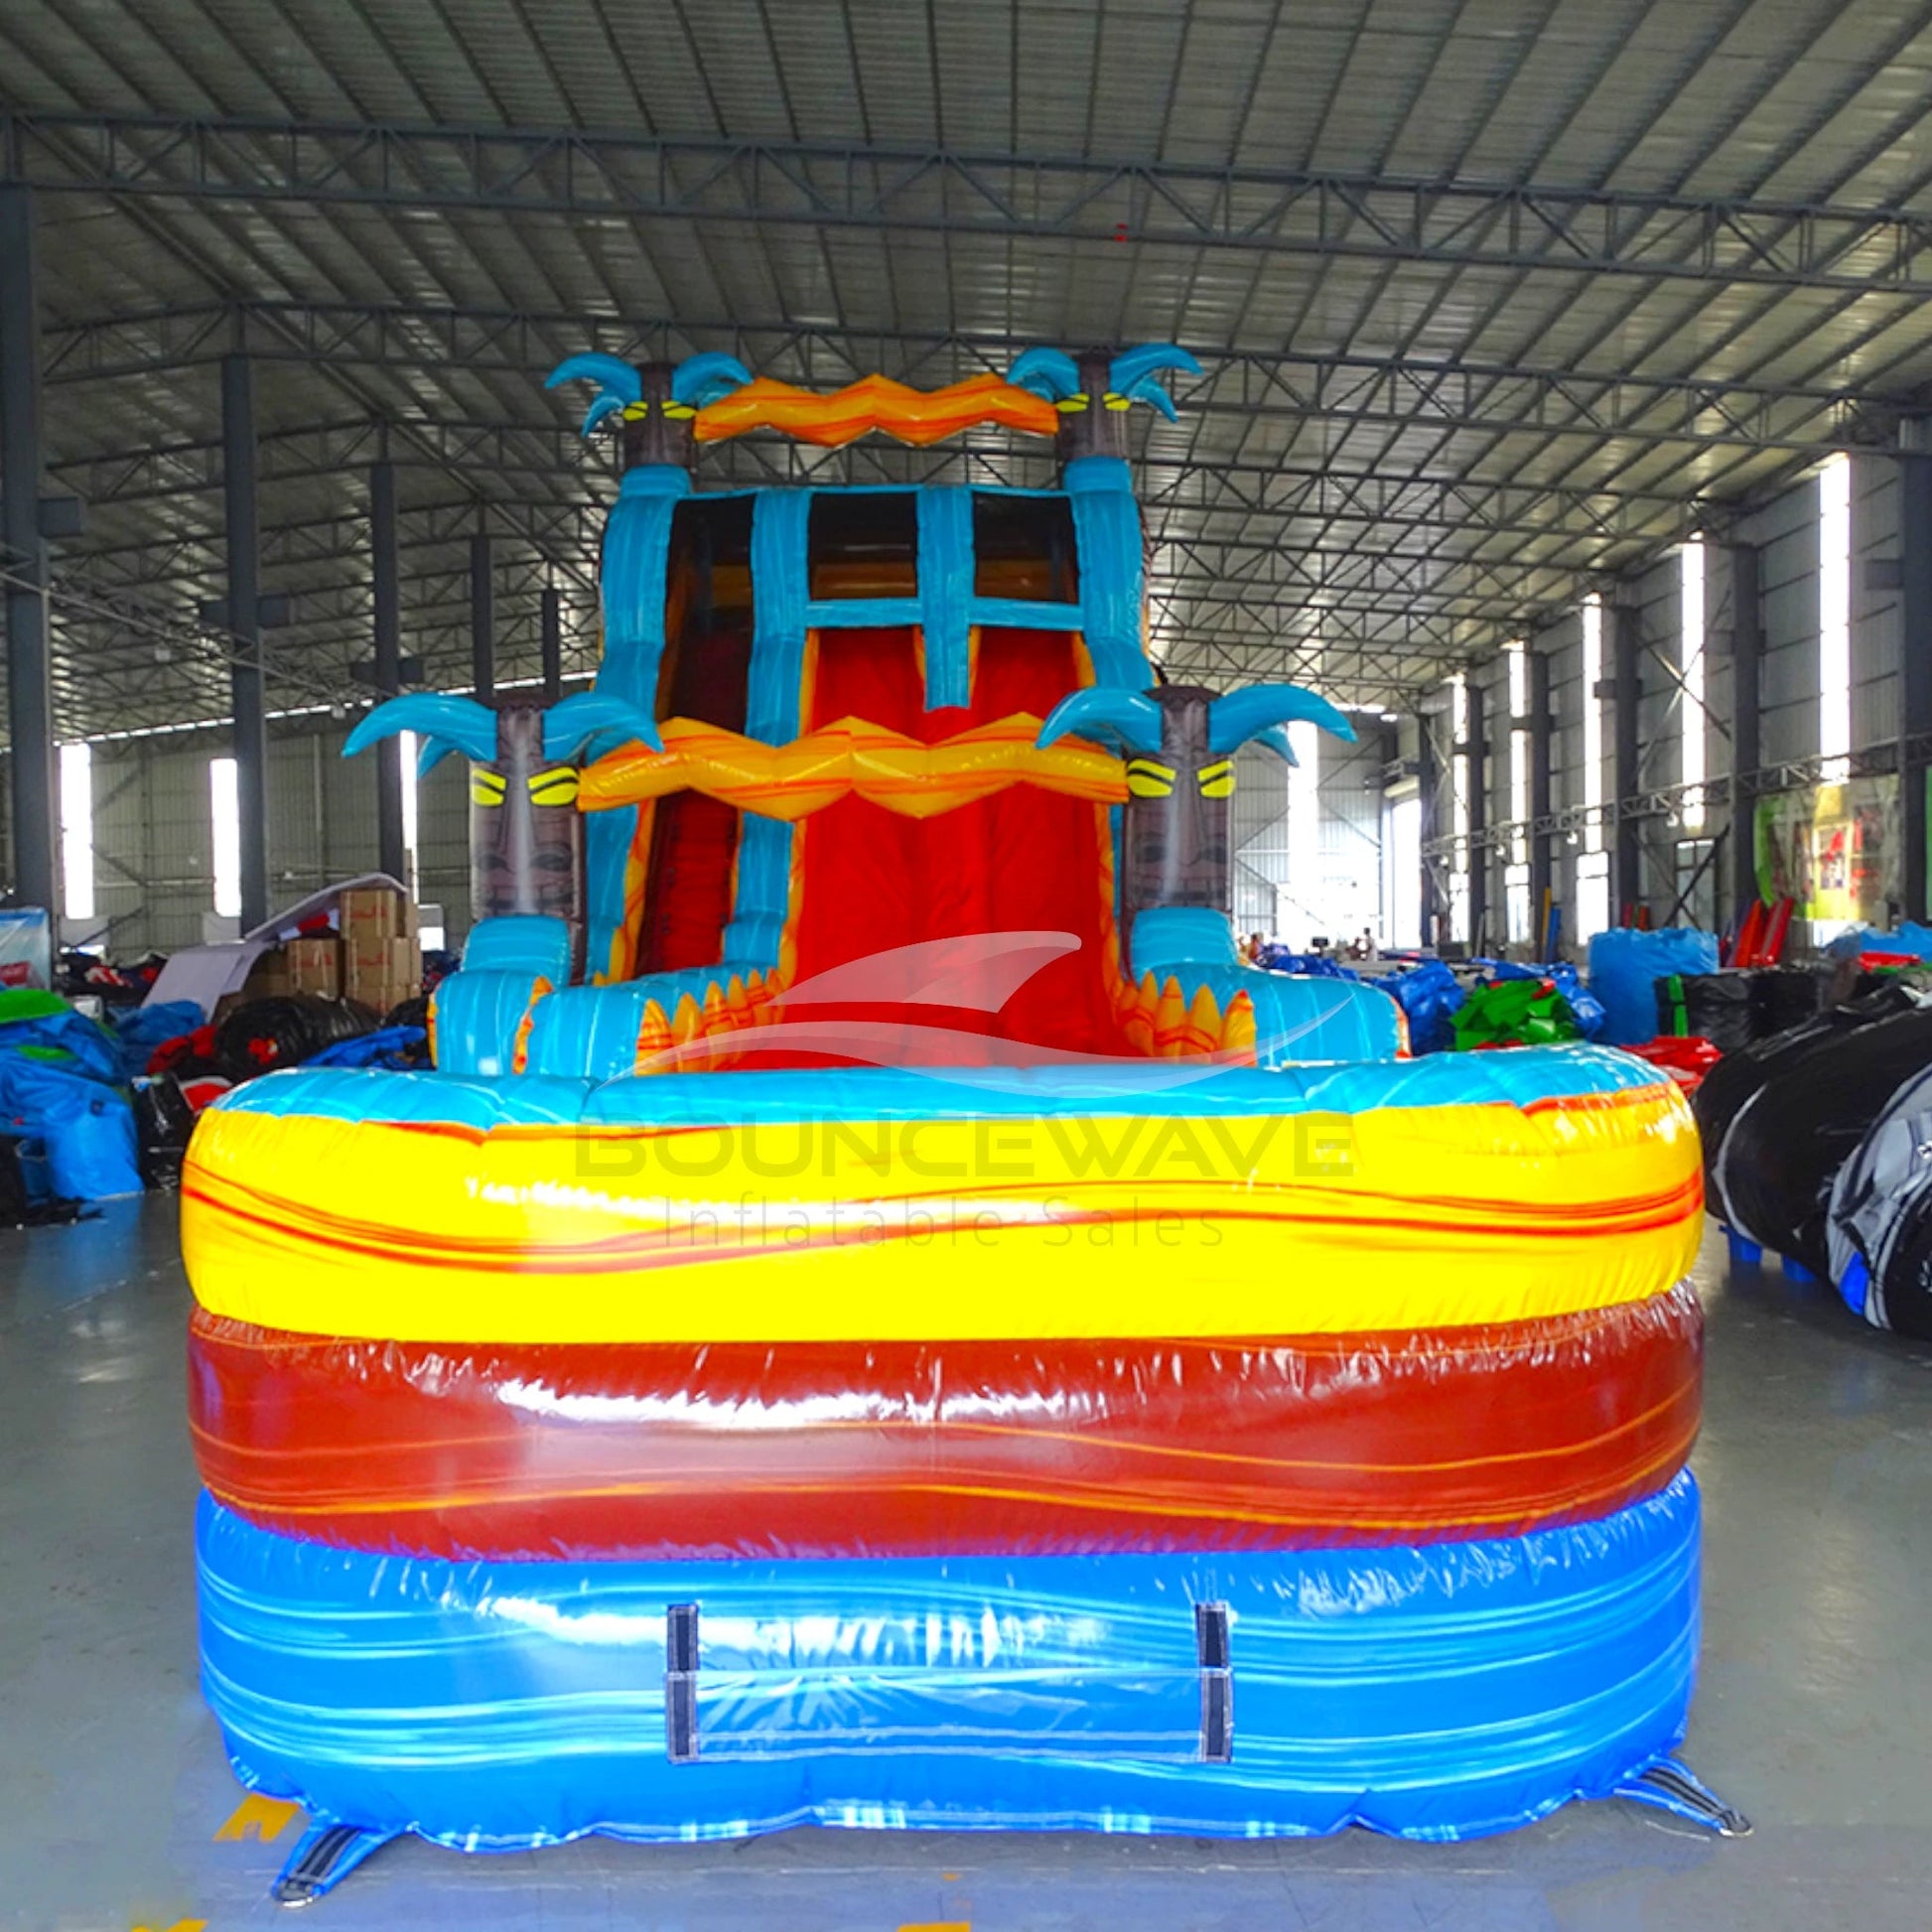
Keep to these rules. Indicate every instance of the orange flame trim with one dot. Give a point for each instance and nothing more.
(847, 758)
(746, 1001)
(916, 416)
(1160, 1023)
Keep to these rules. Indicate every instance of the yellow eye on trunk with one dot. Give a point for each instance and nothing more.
(1147, 779)
(485, 785)
(557, 786)
(1217, 780)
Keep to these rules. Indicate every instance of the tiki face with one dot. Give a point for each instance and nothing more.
(1177, 818)
(526, 836)
(658, 428)
(1093, 422)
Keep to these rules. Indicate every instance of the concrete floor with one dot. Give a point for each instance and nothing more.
(1814, 1715)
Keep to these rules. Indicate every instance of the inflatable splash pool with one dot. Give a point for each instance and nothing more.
(878, 1316)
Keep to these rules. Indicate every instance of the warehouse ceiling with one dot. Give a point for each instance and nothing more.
(1492, 298)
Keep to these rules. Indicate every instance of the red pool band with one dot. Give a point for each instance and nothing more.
(646, 1450)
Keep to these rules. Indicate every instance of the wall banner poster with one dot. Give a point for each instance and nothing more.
(1834, 848)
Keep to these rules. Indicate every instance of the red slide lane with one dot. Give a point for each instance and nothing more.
(694, 839)
(1024, 860)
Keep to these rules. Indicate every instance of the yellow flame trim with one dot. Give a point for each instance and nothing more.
(851, 757)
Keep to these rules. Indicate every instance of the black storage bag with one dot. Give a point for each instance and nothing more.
(1787, 996)
(1785, 1148)
(1718, 1007)
(282, 1031)
(1730, 1085)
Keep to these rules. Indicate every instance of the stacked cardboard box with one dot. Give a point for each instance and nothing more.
(381, 954)
(316, 966)
(268, 978)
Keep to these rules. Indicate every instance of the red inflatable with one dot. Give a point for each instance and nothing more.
(832, 1450)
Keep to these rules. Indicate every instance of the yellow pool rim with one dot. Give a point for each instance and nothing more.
(1391, 1218)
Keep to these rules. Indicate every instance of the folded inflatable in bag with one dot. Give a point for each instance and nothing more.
(86, 1129)
(1781, 1156)
(1625, 966)
(1738, 1078)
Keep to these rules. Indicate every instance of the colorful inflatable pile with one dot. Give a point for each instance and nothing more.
(877, 1316)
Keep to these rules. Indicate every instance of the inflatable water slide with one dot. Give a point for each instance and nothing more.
(877, 1316)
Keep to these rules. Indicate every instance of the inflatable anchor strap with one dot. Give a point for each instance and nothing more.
(1671, 1787)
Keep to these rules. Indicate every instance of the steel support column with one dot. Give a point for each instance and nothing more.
(1747, 716)
(385, 551)
(1536, 665)
(1915, 667)
(1627, 883)
(242, 527)
(1478, 753)
(483, 618)
(1428, 776)
(553, 643)
(30, 707)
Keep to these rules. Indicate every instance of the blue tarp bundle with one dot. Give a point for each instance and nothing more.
(1909, 938)
(388, 1047)
(138, 1031)
(1430, 995)
(86, 1126)
(1311, 965)
(62, 1076)
(1625, 966)
(90, 1049)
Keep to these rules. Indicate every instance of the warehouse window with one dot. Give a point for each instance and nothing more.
(1304, 831)
(77, 831)
(1690, 665)
(1593, 800)
(1697, 883)
(1593, 894)
(1516, 873)
(1402, 875)
(1519, 752)
(1835, 615)
(224, 819)
(407, 742)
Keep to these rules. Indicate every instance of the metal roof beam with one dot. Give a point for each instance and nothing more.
(627, 177)
(1359, 388)
(575, 528)
(1265, 580)
(1244, 489)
